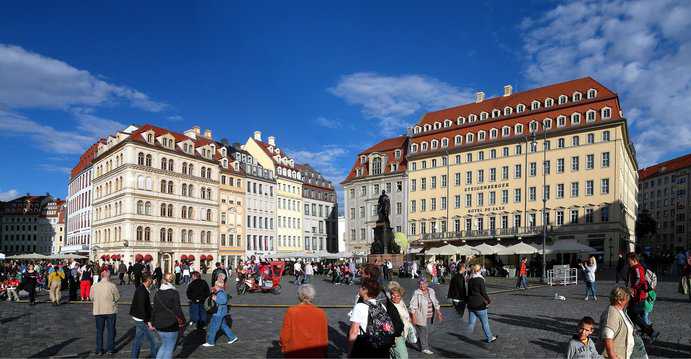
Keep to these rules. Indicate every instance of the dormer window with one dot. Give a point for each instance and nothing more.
(150, 137)
(592, 93)
(460, 120)
(444, 142)
(496, 113)
(394, 167)
(423, 146)
(224, 163)
(505, 131)
(435, 144)
(535, 105)
(576, 96)
(472, 118)
(518, 129)
(397, 154)
(561, 121)
(606, 113)
(413, 148)
(590, 116)
(417, 129)
(520, 108)
(549, 102)
(563, 99)
(575, 118)
(493, 133)
(363, 159)
(547, 123)
(469, 137)
(458, 140)
(481, 135)
(533, 126)
(437, 125)
(507, 110)
(447, 123)
(483, 116)
(427, 127)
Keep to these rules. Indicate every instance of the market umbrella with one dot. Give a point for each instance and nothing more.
(569, 246)
(447, 250)
(523, 248)
(2, 256)
(28, 256)
(485, 249)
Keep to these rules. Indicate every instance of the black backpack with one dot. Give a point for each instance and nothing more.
(395, 317)
(210, 306)
(380, 331)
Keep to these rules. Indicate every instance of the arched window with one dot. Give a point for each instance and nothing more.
(208, 215)
(170, 210)
(147, 234)
(592, 93)
(183, 236)
(520, 108)
(202, 193)
(139, 233)
(202, 237)
(533, 126)
(147, 208)
(170, 234)
(163, 186)
(170, 165)
(444, 142)
(203, 172)
(427, 127)
(563, 99)
(171, 187)
(148, 160)
(469, 137)
(164, 163)
(507, 110)
(561, 121)
(435, 144)
(184, 212)
(535, 105)
(140, 207)
(190, 190)
(184, 168)
(547, 123)
(483, 115)
(184, 189)
(447, 123)
(208, 173)
(472, 118)
(190, 236)
(549, 102)
(493, 133)
(505, 131)
(606, 113)
(140, 159)
(590, 115)
(575, 118)
(496, 113)
(208, 237)
(163, 209)
(460, 120)
(518, 129)
(149, 184)
(437, 125)
(208, 193)
(190, 212)
(376, 166)
(481, 135)
(457, 140)
(190, 169)
(576, 96)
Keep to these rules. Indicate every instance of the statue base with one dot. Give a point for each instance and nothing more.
(379, 259)
(384, 240)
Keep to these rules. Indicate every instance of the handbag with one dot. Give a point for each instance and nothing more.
(411, 335)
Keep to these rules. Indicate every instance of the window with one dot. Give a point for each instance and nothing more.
(517, 171)
(140, 207)
(574, 216)
(589, 187)
(591, 138)
(563, 99)
(560, 190)
(604, 214)
(140, 233)
(590, 116)
(605, 159)
(532, 194)
(575, 141)
(549, 102)
(493, 153)
(520, 108)
(575, 119)
(480, 176)
(505, 131)
(517, 195)
(505, 173)
(519, 149)
(560, 217)
(574, 189)
(604, 186)
(589, 161)
(469, 177)
(376, 166)
(423, 183)
(560, 143)
(547, 123)
(457, 140)
(481, 136)
(468, 200)
(140, 159)
(576, 96)
(518, 129)
(592, 93)
(492, 174)
(605, 135)
(606, 113)
(505, 151)
(457, 179)
(533, 169)
(545, 192)
(561, 121)
(148, 160)
(533, 126)
(505, 196)
(574, 163)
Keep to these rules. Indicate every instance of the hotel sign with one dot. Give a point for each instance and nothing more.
(485, 187)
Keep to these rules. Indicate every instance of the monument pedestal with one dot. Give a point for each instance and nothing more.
(396, 259)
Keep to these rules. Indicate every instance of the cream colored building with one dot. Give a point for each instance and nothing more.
(156, 193)
(289, 203)
(231, 214)
(476, 171)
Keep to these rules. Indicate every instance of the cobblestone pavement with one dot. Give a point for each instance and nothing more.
(528, 323)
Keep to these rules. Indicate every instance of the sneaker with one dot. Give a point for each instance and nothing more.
(494, 338)
(428, 352)
(586, 298)
(207, 345)
(191, 323)
(233, 340)
(595, 298)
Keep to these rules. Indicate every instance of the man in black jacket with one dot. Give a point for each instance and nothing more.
(137, 270)
(197, 292)
(457, 292)
(140, 310)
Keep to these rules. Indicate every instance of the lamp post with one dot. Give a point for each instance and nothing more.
(544, 202)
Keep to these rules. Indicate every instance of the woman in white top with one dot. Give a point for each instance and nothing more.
(399, 350)
(590, 267)
(616, 327)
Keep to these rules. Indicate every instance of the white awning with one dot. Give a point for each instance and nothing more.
(569, 246)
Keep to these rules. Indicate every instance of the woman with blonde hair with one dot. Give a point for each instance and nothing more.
(617, 329)
(589, 267)
(396, 292)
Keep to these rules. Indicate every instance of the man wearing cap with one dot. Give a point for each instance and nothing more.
(105, 296)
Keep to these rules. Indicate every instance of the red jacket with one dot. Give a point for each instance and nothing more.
(637, 283)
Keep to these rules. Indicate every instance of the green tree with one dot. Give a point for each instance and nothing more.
(646, 228)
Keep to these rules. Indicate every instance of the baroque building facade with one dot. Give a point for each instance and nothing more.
(156, 194)
(664, 194)
(30, 224)
(320, 217)
(381, 167)
(480, 171)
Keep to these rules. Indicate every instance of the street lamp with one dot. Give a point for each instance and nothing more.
(544, 201)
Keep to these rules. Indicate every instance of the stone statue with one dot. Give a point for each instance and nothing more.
(384, 209)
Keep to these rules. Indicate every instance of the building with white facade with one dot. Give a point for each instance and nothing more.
(156, 195)
(78, 206)
(320, 212)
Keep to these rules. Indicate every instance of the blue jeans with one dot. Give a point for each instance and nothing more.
(307, 279)
(142, 331)
(524, 282)
(168, 340)
(106, 321)
(590, 289)
(482, 314)
(219, 322)
(197, 314)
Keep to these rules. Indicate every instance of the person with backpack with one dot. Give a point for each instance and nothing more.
(424, 307)
(167, 316)
(478, 300)
(197, 292)
(218, 314)
(640, 287)
(372, 332)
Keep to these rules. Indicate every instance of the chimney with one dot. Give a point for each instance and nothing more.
(272, 140)
(207, 134)
(193, 132)
(258, 135)
(507, 90)
(479, 97)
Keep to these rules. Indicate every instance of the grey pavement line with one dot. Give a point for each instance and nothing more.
(327, 306)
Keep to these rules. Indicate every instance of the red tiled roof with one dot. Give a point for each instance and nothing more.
(86, 159)
(664, 167)
(200, 141)
(265, 146)
(526, 97)
(387, 147)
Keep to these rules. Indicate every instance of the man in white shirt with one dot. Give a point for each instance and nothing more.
(309, 272)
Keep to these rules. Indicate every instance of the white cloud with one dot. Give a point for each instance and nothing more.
(54, 168)
(639, 49)
(325, 122)
(9, 195)
(392, 100)
(175, 118)
(47, 138)
(30, 80)
(328, 162)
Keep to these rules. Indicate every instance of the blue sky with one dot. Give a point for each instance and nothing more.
(327, 80)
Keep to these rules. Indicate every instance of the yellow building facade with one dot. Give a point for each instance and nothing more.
(480, 172)
(231, 215)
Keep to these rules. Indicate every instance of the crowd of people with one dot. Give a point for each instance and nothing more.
(382, 324)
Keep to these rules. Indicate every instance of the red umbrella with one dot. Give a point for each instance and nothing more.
(148, 258)
(209, 257)
(191, 257)
(138, 258)
(202, 258)
(103, 257)
(115, 257)
(183, 257)
(107, 257)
